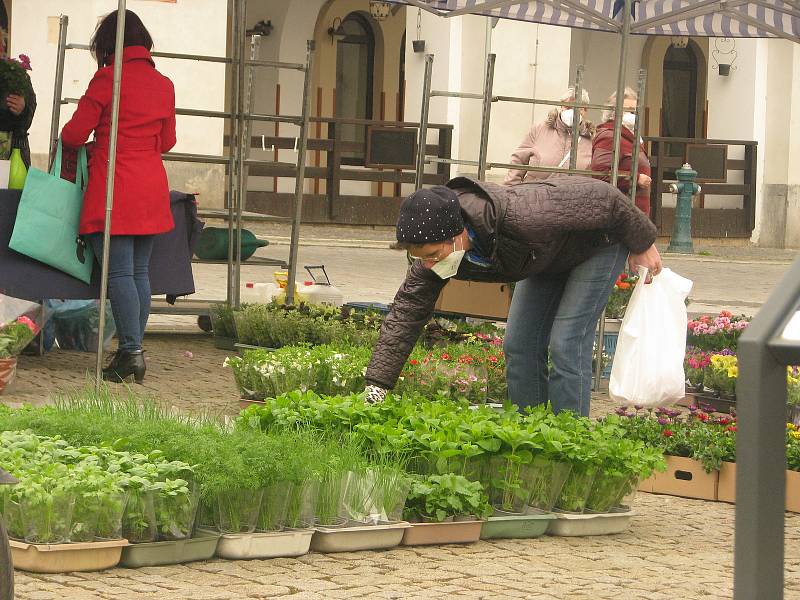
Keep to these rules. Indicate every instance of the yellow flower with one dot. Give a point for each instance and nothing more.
(791, 427)
(733, 372)
(795, 435)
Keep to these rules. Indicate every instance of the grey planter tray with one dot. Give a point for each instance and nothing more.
(288, 543)
(359, 537)
(152, 554)
(590, 524)
(521, 526)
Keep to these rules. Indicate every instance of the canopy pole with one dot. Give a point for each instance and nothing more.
(486, 115)
(112, 164)
(637, 135)
(623, 61)
(55, 121)
(576, 119)
(423, 121)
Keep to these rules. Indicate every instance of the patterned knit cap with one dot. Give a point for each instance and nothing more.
(430, 215)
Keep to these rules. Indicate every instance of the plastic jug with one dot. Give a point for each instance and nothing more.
(258, 293)
(17, 172)
(315, 293)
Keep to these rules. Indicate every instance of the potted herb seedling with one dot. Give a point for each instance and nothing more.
(436, 501)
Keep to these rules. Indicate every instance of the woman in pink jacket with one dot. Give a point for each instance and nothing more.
(549, 143)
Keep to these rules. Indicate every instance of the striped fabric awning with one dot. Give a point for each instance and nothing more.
(712, 18)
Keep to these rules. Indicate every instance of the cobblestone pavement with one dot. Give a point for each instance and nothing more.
(676, 549)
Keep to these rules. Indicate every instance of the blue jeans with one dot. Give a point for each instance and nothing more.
(128, 284)
(558, 313)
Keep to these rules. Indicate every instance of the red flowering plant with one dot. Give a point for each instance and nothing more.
(17, 326)
(714, 334)
(621, 295)
(475, 372)
(14, 336)
(700, 434)
(695, 364)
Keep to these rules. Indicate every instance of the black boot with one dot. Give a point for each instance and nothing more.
(126, 364)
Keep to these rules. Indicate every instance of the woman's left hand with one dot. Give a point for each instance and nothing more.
(650, 259)
(15, 103)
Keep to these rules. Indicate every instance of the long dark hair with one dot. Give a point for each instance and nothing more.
(104, 39)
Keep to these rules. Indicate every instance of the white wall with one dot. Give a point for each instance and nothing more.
(182, 27)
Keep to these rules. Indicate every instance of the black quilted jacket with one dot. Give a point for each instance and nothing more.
(545, 227)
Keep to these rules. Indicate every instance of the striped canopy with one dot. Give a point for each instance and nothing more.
(712, 18)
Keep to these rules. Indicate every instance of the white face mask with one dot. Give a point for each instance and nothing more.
(448, 266)
(629, 120)
(568, 117)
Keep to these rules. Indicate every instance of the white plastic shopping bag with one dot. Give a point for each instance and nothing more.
(648, 361)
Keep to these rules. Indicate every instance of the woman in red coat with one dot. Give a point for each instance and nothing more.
(603, 144)
(141, 193)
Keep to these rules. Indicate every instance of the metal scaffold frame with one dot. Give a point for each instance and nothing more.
(237, 160)
(487, 99)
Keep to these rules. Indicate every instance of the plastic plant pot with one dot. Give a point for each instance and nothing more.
(139, 520)
(238, 510)
(12, 514)
(47, 517)
(627, 495)
(274, 506)
(176, 509)
(330, 506)
(201, 546)
(84, 518)
(570, 525)
(66, 558)
(546, 481)
(208, 514)
(358, 538)
(576, 489)
(510, 489)
(302, 503)
(516, 527)
(607, 491)
(274, 544)
(111, 508)
(453, 532)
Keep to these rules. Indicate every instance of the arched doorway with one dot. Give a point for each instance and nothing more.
(355, 67)
(679, 96)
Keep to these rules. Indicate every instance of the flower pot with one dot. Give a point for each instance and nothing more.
(418, 45)
(239, 510)
(547, 480)
(726, 486)
(509, 488)
(600, 524)
(66, 558)
(175, 514)
(109, 516)
(48, 517)
(139, 520)
(274, 505)
(357, 538)
(302, 501)
(456, 532)
(200, 547)
(513, 527)
(225, 343)
(607, 491)
(275, 544)
(8, 371)
(685, 477)
(793, 491)
(576, 489)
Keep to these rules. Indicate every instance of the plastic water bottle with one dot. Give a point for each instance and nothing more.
(258, 293)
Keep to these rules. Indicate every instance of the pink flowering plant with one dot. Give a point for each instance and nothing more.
(14, 336)
(695, 363)
(14, 78)
(715, 333)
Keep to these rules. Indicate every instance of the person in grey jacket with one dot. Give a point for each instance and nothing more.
(564, 240)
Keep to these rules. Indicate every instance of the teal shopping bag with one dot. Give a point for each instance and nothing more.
(46, 228)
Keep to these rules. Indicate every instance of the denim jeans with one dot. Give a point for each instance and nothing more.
(558, 314)
(128, 284)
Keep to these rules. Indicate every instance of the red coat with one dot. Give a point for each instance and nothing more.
(146, 129)
(602, 146)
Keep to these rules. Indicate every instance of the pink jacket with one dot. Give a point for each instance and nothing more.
(546, 145)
